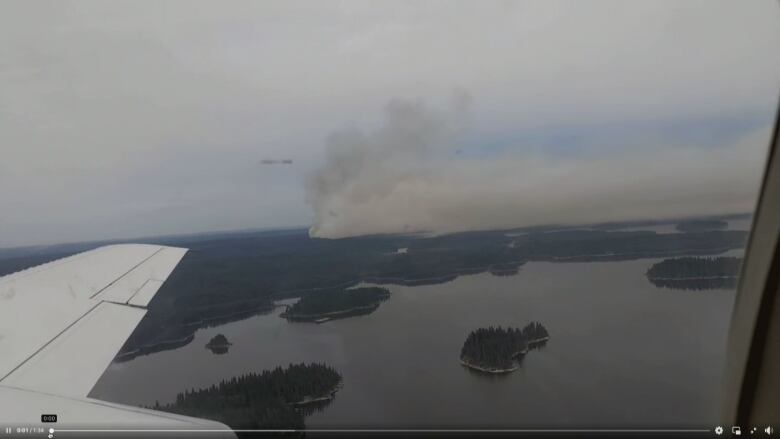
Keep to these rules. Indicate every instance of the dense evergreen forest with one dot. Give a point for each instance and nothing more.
(218, 340)
(260, 401)
(230, 276)
(218, 344)
(696, 273)
(336, 304)
(497, 349)
(689, 267)
(701, 225)
(535, 334)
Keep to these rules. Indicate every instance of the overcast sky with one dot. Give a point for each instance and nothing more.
(123, 119)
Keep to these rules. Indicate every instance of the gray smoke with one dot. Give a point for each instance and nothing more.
(407, 176)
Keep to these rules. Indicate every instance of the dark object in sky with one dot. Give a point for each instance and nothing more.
(276, 162)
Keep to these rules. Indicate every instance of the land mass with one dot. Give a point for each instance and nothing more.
(232, 276)
(499, 350)
(701, 225)
(237, 276)
(219, 344)
(320, 308)
(268, 400)
(696, 273)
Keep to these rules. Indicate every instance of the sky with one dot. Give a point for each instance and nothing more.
(128, 119)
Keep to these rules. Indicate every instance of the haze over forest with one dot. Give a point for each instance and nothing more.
(134, 119)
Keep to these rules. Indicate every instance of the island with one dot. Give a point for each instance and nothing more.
(701, 225)
(272, 399)
(497, 350)
(691, 273)
(219, 344)
(325, 306)
(234, 276)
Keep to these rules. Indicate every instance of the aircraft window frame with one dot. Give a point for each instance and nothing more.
(758, 286)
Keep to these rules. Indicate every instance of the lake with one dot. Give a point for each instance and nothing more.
(622, 353)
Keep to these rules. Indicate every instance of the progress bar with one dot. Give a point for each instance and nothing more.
(390, 431)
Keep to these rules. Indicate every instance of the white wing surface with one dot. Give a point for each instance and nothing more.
(61, 324)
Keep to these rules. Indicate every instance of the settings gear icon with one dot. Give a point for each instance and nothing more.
(718, 430)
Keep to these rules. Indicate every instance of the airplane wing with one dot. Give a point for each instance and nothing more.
(62, 323)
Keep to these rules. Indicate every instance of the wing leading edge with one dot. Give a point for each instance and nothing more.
(62, 323)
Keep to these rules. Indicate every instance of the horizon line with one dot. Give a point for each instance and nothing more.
(140, 238)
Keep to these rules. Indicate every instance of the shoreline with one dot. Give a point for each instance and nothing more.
(538, 340)
(693, 278)
(329, 395)
(486, 370)
(262, 308)
(641, 255)
(531, 345)
(146, 349)
(409, 282)
(175, 343)
(328, 316)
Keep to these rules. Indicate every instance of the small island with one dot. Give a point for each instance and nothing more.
(498, 350)
(219, 344)
(693, 273)
(326, 306)
(701, 225)
(273, 399)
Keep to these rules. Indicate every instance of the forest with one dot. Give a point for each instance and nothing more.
(701, 225)
(696, 273)
(497, 349)
(218, 340)
(689, 267)
(230, 276)
(219, 344)
(265, 400)
(336, 304)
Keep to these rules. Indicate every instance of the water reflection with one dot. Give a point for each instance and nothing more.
(218, 350)
(696, 284)
(313, 407)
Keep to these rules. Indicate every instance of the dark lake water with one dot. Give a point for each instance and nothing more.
(622, 353)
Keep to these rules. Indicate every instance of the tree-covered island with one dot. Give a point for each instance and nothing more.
(696, 273)
(268, 400)
(499, 350)
(219, 344)
(321, 307)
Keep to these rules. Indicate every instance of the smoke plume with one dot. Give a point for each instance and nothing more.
(408, 176)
